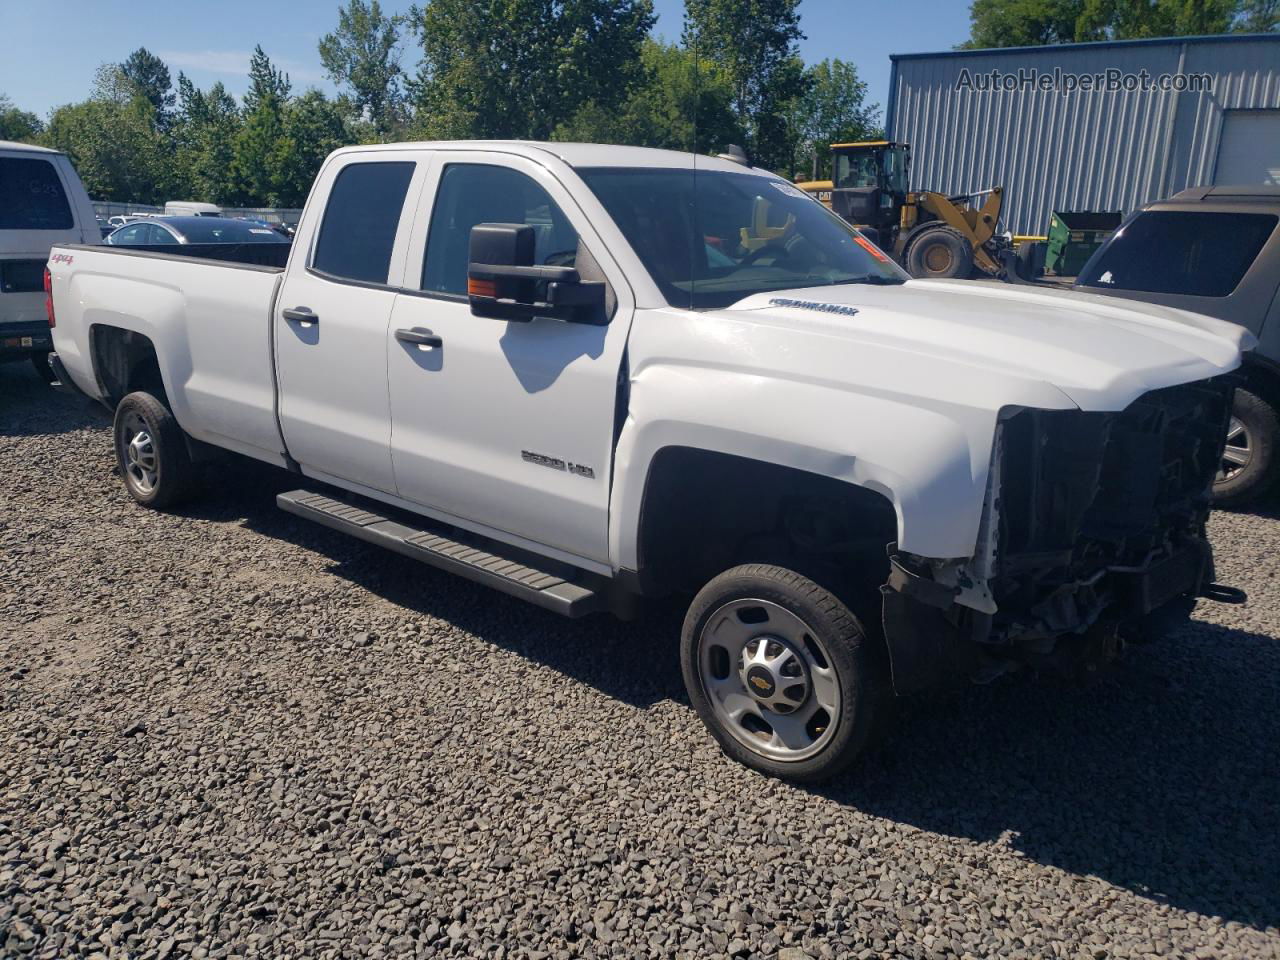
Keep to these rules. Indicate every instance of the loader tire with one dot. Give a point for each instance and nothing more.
(939, 253)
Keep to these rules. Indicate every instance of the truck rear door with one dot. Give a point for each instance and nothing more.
(332, 313)
(504, 427)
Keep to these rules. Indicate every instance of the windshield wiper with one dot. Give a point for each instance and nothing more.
(874, 279)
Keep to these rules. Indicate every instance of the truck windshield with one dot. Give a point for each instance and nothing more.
(1199, 254)
(713, 238)
(31, 196)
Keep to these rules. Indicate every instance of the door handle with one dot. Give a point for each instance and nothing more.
(300, 315)
(424, 339)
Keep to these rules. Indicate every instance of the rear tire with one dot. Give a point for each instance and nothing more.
(939, 253)
(41, 362)
(781, 673)
(1250, 462)
(151, 450)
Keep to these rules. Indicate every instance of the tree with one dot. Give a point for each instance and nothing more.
(1014, 23)
(150, 78)
(115, 148)
(755, 43)
(313, 127)
(680, 104)
(267, 85)
(204, 135)
(1258, 16)
(17, 124)
(363, 54)
(255, 150)
(1134, 19)
(834, 110)
(1022, 23)
(520, 68)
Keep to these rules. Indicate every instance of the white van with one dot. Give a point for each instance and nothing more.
(191, 208)
(42, 202)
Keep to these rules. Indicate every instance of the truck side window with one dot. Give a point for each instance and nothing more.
(360, 221)
(472, 193)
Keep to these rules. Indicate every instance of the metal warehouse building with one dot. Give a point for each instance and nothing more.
(1169, 114)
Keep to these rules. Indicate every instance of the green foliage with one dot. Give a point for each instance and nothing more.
(117, 151)
(754, 43)
(661, 109)
(204, 134)
(1015, 23)
(833, 110)
(267, 85)
(521, 68)
(1258, 16)
(363, 55)
(149, 77)
(18, 124)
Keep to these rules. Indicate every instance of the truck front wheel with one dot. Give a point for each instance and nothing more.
(152, 452)
(781, 673)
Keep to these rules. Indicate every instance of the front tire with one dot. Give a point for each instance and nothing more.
(151, 450)
(781, 673)
(1249, 461)
(939, 253)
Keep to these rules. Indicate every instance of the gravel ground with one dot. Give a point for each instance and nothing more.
(232, 733)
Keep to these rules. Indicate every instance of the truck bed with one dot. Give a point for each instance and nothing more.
(210, 319)
(272, 256)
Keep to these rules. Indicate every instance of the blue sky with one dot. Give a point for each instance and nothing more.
(51, 51)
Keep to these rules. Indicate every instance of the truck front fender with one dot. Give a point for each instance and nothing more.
(931, 463)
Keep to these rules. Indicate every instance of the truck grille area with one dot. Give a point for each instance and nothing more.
(1101, 515)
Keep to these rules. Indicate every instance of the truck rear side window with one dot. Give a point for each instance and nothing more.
(472, 193)
(31, 196)
(1197, 254)
(360, 221)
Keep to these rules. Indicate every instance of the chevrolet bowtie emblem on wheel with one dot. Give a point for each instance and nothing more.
(760, 683)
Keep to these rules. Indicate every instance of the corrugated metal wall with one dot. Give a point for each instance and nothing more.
(1098, 150)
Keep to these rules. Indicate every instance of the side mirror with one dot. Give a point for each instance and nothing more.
(503, 282)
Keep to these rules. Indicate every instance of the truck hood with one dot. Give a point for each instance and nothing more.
(1101, 352)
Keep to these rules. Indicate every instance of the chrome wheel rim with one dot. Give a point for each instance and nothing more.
(141, 462)
(769, 680)
(1238, 451)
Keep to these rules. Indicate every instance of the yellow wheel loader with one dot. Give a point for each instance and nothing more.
(930, 234)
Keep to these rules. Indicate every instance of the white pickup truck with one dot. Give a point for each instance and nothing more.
(584, 374)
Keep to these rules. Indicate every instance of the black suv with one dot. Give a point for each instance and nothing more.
(1216, 251)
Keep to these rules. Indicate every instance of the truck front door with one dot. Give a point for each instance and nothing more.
(504, 427)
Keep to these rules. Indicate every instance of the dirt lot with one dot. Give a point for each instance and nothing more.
(229, 733)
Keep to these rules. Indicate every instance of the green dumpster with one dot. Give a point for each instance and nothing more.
(1074, 235)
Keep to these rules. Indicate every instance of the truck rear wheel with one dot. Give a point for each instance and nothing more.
(152, 452)
(781, 673)
(939, 253)
(1249, 460)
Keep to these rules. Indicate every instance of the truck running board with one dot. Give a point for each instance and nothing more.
(457, 552)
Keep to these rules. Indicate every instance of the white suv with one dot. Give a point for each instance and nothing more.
(42, 202)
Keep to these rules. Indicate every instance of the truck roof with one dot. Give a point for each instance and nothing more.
(574, 154)
(33, 148)
(1264, 192)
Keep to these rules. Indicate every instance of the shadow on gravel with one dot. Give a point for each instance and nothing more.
(1160, 777)
(635, 662)
(30, 407)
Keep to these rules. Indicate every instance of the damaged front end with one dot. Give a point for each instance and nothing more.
(1092, 535)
